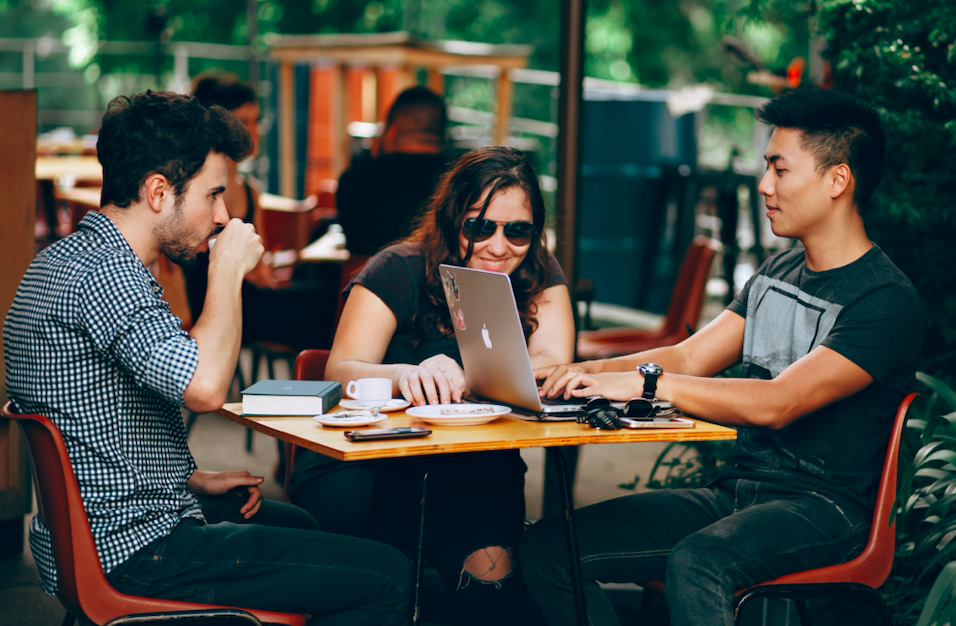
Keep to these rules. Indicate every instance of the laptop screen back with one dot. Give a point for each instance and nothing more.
(489, 335)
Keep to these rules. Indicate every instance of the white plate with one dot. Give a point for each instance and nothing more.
(360, 418)
(458, 414)
(395, 404)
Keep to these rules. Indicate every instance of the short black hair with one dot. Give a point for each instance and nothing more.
(433, 118)
(160, 132)
(223, 88)
(837, 128)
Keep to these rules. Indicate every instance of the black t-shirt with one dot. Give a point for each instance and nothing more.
(397, 276)
(867, 311)
(378, 200)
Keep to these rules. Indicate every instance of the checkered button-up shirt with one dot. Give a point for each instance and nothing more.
(89, 343)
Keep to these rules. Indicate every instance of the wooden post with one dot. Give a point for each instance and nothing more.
(353, 95)
(389, 83)
(325, 125)
(18, 212)
(436, 81)
(505, 101)
(286, 130)
(570, 96)
(356, 91)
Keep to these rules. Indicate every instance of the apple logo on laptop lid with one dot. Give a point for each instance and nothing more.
(486, 336)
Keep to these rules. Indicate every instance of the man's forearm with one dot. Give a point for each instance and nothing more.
(218, 333)
(670, 357)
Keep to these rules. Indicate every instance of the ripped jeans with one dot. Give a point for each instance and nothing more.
(474, 501)
(704, 543)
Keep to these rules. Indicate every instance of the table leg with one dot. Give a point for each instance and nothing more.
(567, 502)
(417, 564)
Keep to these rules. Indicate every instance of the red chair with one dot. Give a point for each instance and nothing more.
(859, 577)
(687, 299)
(309, 365)
(83, 587)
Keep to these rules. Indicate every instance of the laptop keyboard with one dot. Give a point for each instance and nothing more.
(560, 401)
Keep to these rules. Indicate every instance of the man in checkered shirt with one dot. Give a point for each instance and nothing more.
(90, 344)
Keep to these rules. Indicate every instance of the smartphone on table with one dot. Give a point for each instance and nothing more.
(374, 434)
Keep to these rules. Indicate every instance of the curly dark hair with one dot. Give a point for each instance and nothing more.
(158, 132)
(459, 190)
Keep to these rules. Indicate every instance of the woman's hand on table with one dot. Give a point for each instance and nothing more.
(435, 380)
(557, 377)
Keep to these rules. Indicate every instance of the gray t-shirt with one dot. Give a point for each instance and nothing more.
(867, 311)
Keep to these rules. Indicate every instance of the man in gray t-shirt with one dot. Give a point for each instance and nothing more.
(827, 335)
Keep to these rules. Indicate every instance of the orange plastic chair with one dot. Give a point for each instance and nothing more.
(858, 577)
(309, 365)
(83, 587)
(687, 299)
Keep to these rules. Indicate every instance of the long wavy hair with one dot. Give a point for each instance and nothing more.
(459, 190)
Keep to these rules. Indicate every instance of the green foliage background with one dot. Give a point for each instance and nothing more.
(900, 55)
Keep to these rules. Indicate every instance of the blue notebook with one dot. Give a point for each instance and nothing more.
(291, 397)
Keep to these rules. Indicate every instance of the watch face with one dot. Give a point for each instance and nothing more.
(652, 369)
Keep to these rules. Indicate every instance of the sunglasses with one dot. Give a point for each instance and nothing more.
(518, 233)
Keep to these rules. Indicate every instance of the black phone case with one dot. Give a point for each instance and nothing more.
(385, 433)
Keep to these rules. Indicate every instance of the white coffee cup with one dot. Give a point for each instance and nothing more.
(370, 391)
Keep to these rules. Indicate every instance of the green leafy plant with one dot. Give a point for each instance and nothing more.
(686, 465)
(926, 513)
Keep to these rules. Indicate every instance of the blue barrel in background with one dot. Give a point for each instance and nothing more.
(634, 215)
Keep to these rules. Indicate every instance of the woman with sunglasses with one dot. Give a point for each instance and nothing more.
(487, 213)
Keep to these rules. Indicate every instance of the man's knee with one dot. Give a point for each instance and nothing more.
(701, 560)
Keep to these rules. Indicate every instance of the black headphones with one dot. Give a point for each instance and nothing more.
(598, 412)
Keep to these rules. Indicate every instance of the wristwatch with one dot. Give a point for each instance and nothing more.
(651, 372)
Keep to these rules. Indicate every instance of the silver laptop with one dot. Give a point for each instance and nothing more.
(492, 344)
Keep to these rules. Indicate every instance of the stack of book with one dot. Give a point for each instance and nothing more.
(291, 397)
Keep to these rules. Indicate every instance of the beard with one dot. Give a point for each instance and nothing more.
(174, 237)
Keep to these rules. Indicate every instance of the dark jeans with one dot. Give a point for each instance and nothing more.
(473, 501)
(705, 543)
(287, 565)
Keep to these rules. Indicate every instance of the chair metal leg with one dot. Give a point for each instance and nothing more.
(567, 502)
(417, 565)
(69, 619)
(802, 612)
(844, 592)
(647, 606)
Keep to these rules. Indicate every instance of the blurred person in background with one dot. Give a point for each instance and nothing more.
(378, 199)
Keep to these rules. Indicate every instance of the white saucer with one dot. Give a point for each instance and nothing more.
(395, 404)
(458, 414)
(354, 418)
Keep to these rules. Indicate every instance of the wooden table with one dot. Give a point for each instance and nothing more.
(505, 433)
(77, 167)
(51, 170)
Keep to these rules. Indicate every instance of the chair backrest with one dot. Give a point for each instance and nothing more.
(872, 566)
(310, 365)
(687, 298)
(82, 586)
